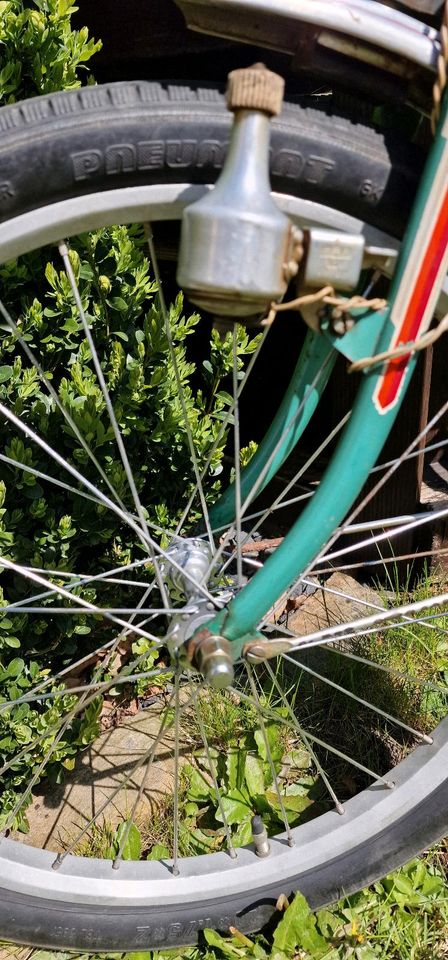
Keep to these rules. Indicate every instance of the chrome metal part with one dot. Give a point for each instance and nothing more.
(337, 257)
(212, 656)
(235, 241)
(332, 258)
(276, 24)
(260, 837)
(194, 556)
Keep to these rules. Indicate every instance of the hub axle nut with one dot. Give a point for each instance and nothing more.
(213, 658)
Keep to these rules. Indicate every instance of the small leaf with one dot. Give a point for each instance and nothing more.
(273, 736)
(297, 928)
(15, 667)
(117, 303)
(254, 777)
(198, 786)
(6, 373)
(216, 940)
(133, 846)
(140, 955)
(158, 852)
(236, 807)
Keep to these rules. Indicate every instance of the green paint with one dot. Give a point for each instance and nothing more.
(307, 383)
(357, 451)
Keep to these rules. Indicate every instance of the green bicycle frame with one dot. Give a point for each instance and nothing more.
(415, 288)
(305, 389)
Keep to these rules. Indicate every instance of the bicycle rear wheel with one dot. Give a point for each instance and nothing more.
(131, 152)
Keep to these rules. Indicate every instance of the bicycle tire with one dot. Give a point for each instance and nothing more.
(65, 146)
(98, 138)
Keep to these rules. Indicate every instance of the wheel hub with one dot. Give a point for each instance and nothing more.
(211, 655)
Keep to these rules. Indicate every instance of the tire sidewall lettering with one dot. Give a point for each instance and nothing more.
(176, 154)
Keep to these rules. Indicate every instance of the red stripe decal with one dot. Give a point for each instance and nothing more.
(386, 394)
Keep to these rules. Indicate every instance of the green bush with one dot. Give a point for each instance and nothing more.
(43, 525)
(39, 50)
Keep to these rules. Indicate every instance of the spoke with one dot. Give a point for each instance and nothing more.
(63, 592)
(147, 541)
(323, 554)
(80, 580)
(143, 782)
(236, 447)
(409, 456)
(378, 486)
(230, 848)
(115, 611)
(100, 686)
(81, 705)
(279, 503)
(136, 766)
(386, 535)
(222, 431)
(322, 743)
(83, 702)
(347, 630)
(68, 418)
(176, 774)
(111, 643)
(300, 473)
(45, 476)
(369, 541)
(258, 708)
(338, 805)
(79, 493)
(24, 796)
(338, 568)
(373, 606)
(398, 674)
(364, 703)
(123, 515)
(260, 513)
(180, 389)
(258, 482)
(63, 250)
(289, 425)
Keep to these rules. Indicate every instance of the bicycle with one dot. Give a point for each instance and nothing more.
(120, 153)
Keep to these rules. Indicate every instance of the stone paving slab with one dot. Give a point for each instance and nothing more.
(59, 812)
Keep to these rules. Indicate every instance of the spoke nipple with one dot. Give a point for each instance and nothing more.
(339, 809)
(175, 871)
(232, 853)
(57, 862)
(209, 605)
(389, 784)
(260, 837)
(427, 739)
(116, 864)
(291, 842)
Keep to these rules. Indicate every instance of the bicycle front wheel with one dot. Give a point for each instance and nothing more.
(122, 154)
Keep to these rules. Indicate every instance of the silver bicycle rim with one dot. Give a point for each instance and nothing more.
(28, 870)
